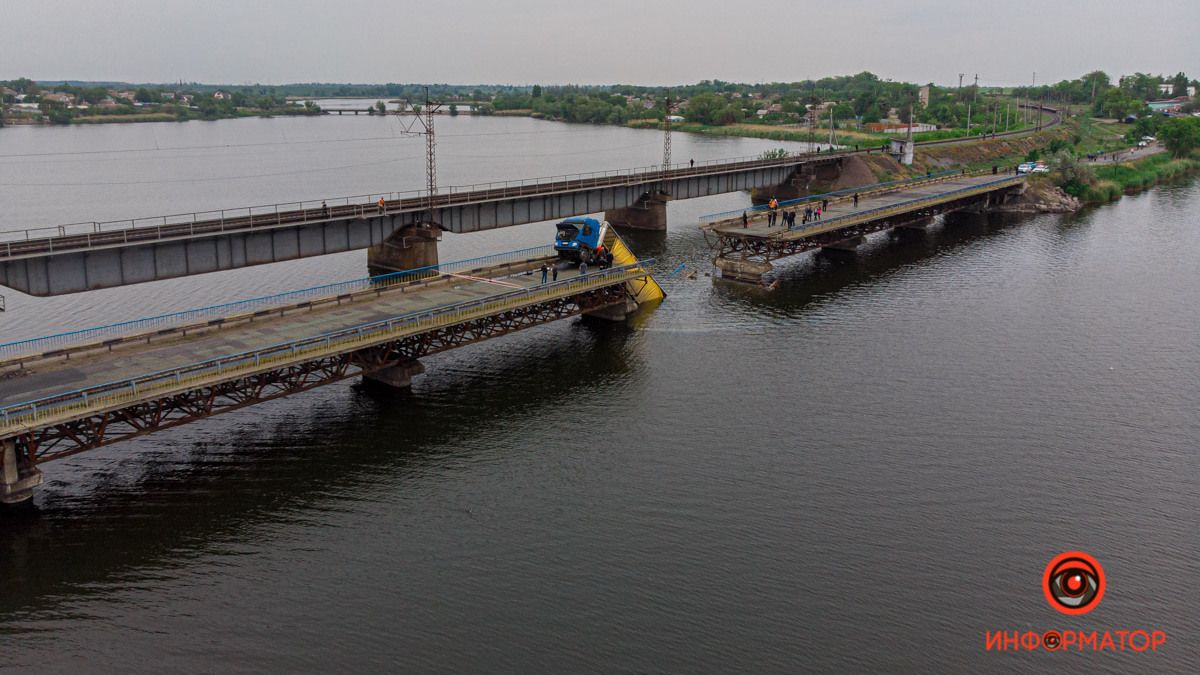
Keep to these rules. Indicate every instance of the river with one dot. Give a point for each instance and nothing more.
(865, 470)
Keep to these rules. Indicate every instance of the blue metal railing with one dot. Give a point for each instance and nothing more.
(279, 300)
(121, 391)
(826, 195)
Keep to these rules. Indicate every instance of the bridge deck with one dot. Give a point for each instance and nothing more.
(843, 213)
(57, 376)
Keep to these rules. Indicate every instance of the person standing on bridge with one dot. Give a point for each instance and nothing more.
(582, 267)
(324, 209)
(691, 163)
(824, 204)
(554, 272)
(856, 200)
(381, 204)
(745, 220)
(545, 272)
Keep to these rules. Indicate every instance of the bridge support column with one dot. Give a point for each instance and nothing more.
(843, 247)
(16, 480)
(397, 377)
(614, 312)
(743, 270)
(916, 227)
(649, 213)
(409, 248)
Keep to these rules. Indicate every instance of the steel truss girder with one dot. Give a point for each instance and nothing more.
(101, 429)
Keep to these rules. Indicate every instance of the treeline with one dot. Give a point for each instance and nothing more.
(1127, 96)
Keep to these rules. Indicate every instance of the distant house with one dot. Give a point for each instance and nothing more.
(5, 91)
(130, 96)
(168, 96)
(107, 103)
(1166, 89)
(222, 95)
(898, 127)
(775, 108)
(59, 97)
(647, 104)
(674, 118)
(923, 96)
(1173, 105)
(185, 99)
(761, 112)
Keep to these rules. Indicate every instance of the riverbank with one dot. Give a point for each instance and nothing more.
(1131, 177)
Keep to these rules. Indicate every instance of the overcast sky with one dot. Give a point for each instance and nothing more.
(593, 41)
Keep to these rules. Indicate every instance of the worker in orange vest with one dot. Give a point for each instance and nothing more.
(381, 204)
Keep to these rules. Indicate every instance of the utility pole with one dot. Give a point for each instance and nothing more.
(1029, 98)
(1007, 107)
(974, 99)
(960, 77)
(831, 128)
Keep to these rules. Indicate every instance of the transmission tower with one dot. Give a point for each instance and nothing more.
(425, 117)
(666, 163)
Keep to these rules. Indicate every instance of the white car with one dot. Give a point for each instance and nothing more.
(1025, 167)
(1143, 143)
(1040, 168)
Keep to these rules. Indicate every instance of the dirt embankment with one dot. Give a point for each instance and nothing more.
(942, 157)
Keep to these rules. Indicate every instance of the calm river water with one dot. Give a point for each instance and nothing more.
(865, 470)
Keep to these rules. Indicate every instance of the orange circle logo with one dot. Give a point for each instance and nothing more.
(1073, 582)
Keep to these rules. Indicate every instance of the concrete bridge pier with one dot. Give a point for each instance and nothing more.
(17, 480)
(914, 227)
(843, 247)
(410, 247)
(749, 271)
(614, 312)
(648, 213)
(399, 376)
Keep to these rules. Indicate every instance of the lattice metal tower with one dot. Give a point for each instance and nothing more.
(666, 163)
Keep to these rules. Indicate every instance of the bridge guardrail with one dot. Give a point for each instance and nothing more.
(823, 225)
(174, 319)
(841, 195)
(19, 416)
(863, 189)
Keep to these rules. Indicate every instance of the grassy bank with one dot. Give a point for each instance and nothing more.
(1127, 177)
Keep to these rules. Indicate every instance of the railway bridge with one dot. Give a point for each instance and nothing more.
(399, 230)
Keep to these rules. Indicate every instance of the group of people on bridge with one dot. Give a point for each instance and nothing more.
(810, 214)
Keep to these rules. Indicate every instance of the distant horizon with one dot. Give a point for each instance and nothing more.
(325, 83)
(549, 42)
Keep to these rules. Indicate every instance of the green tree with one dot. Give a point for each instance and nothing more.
(1181, 135)
(453, 110)
(537, 91)
(1180, 85)
(144, 95)
(381, 107)
(705, 108)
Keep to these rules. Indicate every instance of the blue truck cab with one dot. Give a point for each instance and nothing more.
(578, 238)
